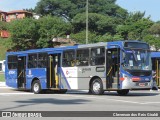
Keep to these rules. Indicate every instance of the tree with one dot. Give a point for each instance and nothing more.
(98, 23)
(60, 8)
(51, 27)
(30, 10)
(3, 25)
(153, 41)
(134, 26)
(69, 8)
(23, 33)
(30, 33)
(81, 37)
(155, 29)
(153, 35)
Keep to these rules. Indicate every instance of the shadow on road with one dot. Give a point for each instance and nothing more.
(30, 102)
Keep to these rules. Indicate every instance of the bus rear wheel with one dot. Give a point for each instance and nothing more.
(97, 87)
(36, 87)
(123, 92)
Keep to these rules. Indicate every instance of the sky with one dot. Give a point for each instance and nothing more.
(9, 5)
(151, 7)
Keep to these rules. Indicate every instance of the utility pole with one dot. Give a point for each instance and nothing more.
(86, 21)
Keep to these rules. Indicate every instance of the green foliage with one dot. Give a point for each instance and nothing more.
(60, 8)
(24, 33)
(153, 35)
(134, 26)
(97, 23)
(155, 29)
(108, 37)
(153, 40)
(2, 78)
(29, 33)
(107, 22)
(4, 46)
(81, 37)
(51, 27)
(69, 8)
(3, 25)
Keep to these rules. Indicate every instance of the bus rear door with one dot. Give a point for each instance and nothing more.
(112, 68)
(53, 78)
(21, 72)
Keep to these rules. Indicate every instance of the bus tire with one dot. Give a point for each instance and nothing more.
(123, 92)
(97, 87)
(36, 87)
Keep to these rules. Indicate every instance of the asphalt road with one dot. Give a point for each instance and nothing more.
(13, 100)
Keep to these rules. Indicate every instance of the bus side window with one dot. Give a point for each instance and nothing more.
(97, 56)
(12, 62)
(82, 58)
(32, 61)
(42, 60)
(68, 58)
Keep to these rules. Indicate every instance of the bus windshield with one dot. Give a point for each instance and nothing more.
(136, 59)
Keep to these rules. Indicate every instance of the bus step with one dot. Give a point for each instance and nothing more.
(54, 88)
(114, 85)
(115, 79)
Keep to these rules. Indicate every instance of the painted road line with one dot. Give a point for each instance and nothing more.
(16, 93)
(107, 99)
(5, 87)
(151, 103)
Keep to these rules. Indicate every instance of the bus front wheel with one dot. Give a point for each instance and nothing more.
(36, 87)
(123, 92)
(97, 87)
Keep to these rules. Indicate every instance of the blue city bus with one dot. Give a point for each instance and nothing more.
(108, 66)
(155, 56)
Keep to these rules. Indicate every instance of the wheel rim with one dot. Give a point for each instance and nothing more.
(96, 87)
(36, 87)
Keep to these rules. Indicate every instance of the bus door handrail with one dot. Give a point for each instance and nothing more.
(20, 74)
(109, 70)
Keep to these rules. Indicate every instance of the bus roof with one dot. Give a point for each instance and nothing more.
(119, 43)
(155, 54)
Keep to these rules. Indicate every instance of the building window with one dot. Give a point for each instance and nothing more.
(68, 58)
(82, 58)
(97, 56)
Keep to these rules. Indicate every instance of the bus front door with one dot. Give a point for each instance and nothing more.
(21, 72)
(112, 68)
(156, 68)
(52, 70)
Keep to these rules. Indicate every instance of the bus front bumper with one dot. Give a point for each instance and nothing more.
(128, 84)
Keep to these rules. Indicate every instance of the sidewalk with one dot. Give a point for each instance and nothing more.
(3, 84)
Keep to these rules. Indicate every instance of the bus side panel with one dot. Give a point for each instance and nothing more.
(69, 78)
(39, 73)
(85, 74)
(11, 78)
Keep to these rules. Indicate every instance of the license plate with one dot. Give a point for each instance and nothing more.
(142, 84)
